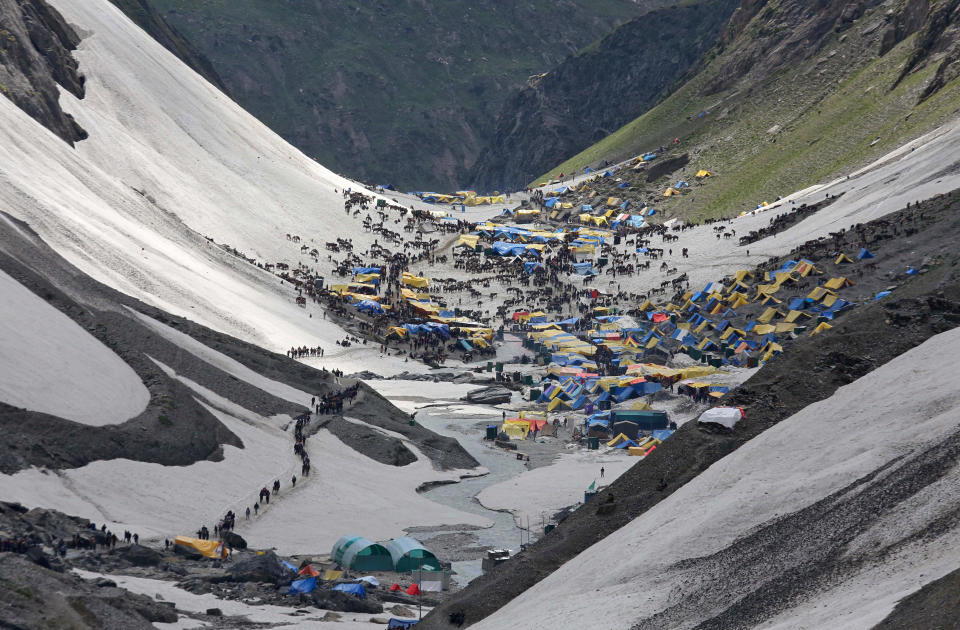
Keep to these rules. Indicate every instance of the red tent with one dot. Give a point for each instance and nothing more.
(395, 587)
(309, 571)
(413, 590)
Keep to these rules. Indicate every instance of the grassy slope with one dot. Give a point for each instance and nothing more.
(399, 92)
(830, 110)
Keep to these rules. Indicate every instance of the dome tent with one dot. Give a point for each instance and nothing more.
(360, 554)
(408, 555)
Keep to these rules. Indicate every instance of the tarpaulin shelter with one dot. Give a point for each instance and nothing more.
(724, 416)
(360, 554)
(412, 280)
(206, 548)
(409, 555)
(353, 589)
(307, 585)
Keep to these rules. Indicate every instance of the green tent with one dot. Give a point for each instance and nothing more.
(360, 554)
(409, 555)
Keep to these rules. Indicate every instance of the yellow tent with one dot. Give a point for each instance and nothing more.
(412, 280)
(819, 292)
(366, 277)
(207, 548)
(517, 430)
(640, 406)
(792, 316)
(470, 240)
(331, 576)
(620, 438)
(838, 283)
(820, 328)
(702, 173)
(669, 192)
(768, 315)
(842, 258)
(613, 201)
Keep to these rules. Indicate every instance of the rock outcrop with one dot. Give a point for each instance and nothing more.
(36, 47)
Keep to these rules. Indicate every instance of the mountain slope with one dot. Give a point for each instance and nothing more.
(399, 92)
(592, 93)
(146, 17)
(796, 93)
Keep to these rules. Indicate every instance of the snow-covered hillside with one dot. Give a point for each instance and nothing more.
(60, 368)
(724, 535)
(170, 158)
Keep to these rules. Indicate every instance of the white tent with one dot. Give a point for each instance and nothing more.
(725, 416)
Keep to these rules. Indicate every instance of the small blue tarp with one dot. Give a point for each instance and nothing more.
(304, 586)
(353, 589)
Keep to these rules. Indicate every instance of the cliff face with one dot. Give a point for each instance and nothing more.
(35, 57)
(591, 94)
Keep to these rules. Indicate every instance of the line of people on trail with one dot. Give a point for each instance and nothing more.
(332, 402)
(304, 351)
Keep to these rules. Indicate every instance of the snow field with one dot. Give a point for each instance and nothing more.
(903, 406)
(349, 493)
(57, 367)
(544, 491)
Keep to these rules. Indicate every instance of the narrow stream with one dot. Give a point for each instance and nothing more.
(502, 466)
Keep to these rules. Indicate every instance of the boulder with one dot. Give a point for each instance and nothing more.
(402, 611)
(141, 556)
(259, 568)
(234, 540)
(344, 602)
(493, 395)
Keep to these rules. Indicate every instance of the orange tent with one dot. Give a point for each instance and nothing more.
(309, 571)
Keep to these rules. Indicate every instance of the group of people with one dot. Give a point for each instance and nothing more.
(304, 351)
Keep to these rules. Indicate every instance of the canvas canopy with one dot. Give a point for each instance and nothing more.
(412, 280)
(206, 548)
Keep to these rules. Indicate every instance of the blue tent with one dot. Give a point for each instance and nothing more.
(302, 586)
(369, 306)
(662, 434)
(353, 589)
(531, 266)
(289, 566)
(865, 253)
(625, 444)
(466, 345)
(551, 202)
(366, 270)
(586, 207)
(649, 156)
(401, 624)
(584, 269)
(880, 295)
(911, 271)
(651, 212)
(622, 185)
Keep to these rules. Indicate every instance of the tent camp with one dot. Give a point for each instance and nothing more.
(206, 548)
(360, 554)
(409, 555)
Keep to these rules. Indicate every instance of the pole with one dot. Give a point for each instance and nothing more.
(420, 592)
